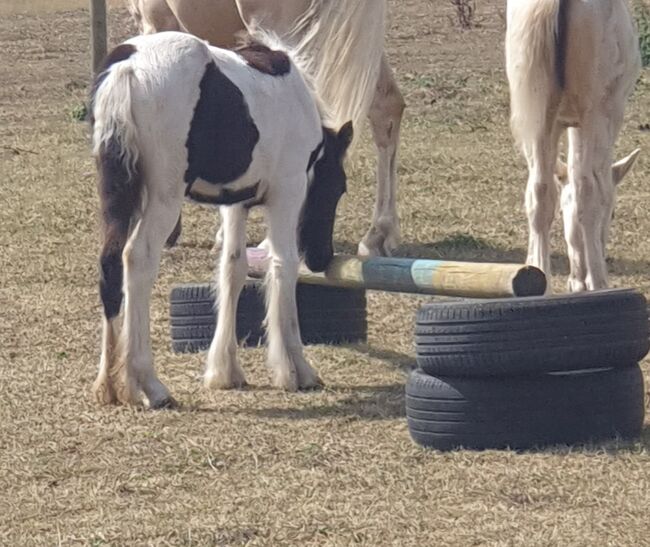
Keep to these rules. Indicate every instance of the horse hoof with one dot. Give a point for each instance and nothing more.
(218, 381)
(316, 385)
(104, 392)
(377, 248)
(309, 380)
(287, 382)
(167, 403)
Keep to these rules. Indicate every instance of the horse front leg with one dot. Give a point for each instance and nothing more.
(222, 370)
(285, 353)
(385, 119)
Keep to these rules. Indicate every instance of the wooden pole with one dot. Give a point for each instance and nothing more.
(440, 277)
(98, 33)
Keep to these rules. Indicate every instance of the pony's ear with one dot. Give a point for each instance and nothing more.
(344, 136)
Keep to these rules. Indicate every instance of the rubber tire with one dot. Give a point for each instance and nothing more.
(503, 337)
(525, 412)
(193, 316)
(327, 315)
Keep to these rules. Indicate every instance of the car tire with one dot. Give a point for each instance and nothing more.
(525, 412)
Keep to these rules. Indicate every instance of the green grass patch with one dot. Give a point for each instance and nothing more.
(642, 16)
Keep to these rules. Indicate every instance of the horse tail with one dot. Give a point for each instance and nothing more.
(536, 43)
(120, 181)
(340, 45)
(136, 13)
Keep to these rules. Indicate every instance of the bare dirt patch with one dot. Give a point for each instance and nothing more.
(262, 467)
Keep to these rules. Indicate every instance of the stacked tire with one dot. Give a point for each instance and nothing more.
(529, 372)
(327, 315)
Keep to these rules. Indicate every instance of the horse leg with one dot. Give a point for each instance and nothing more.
(222, 370)
(590, 203)
(141, 262)
(385, 119)
(614, 122)
(172, 240)
(285, 354)
(541, 196)
(153, 16)
(103, 387)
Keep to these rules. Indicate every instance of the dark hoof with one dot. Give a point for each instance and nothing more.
(314, 387)
(169, 403)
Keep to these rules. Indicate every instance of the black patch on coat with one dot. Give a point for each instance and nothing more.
(120, 192)
(117, 55)
(265, 59)
(222, 134)
(561, 43)
(226, 197)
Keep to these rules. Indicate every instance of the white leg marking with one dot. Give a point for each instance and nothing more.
(285, 353)
(141, 263)
(385, 118)
(222, 370)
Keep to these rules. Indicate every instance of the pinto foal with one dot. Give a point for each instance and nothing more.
(571, 64)
(174, 117)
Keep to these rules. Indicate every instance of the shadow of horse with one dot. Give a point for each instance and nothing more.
(464, 247)
(367, 402)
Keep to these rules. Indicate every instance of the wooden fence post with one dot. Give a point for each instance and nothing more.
(98, 32)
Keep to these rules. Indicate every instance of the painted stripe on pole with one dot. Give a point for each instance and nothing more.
(394, 273)
(440, 277)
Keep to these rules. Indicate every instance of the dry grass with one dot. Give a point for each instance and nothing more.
(262, 467)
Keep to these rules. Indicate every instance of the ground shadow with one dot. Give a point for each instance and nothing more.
(402, 361)
(611, 447)
(382, 402)
(465, 247)
(377, 402)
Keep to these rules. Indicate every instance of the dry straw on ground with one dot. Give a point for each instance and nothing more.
(261, 467)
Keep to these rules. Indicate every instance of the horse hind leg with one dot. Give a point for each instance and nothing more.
(141, 260)
(385, 119)
(103, 387)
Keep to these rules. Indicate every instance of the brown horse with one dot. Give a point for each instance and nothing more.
(343, 43)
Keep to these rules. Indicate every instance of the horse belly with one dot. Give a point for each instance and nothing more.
(216, 21)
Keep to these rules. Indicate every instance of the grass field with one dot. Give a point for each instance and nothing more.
(262, 467)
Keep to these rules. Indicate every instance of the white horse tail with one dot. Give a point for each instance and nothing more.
(340, 44)
(120, 181)
(111, 115)
(535, 63)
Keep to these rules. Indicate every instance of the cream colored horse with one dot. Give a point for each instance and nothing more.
(571, 64)
(343, 43)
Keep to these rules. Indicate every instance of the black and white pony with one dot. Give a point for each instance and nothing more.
(175, 117)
